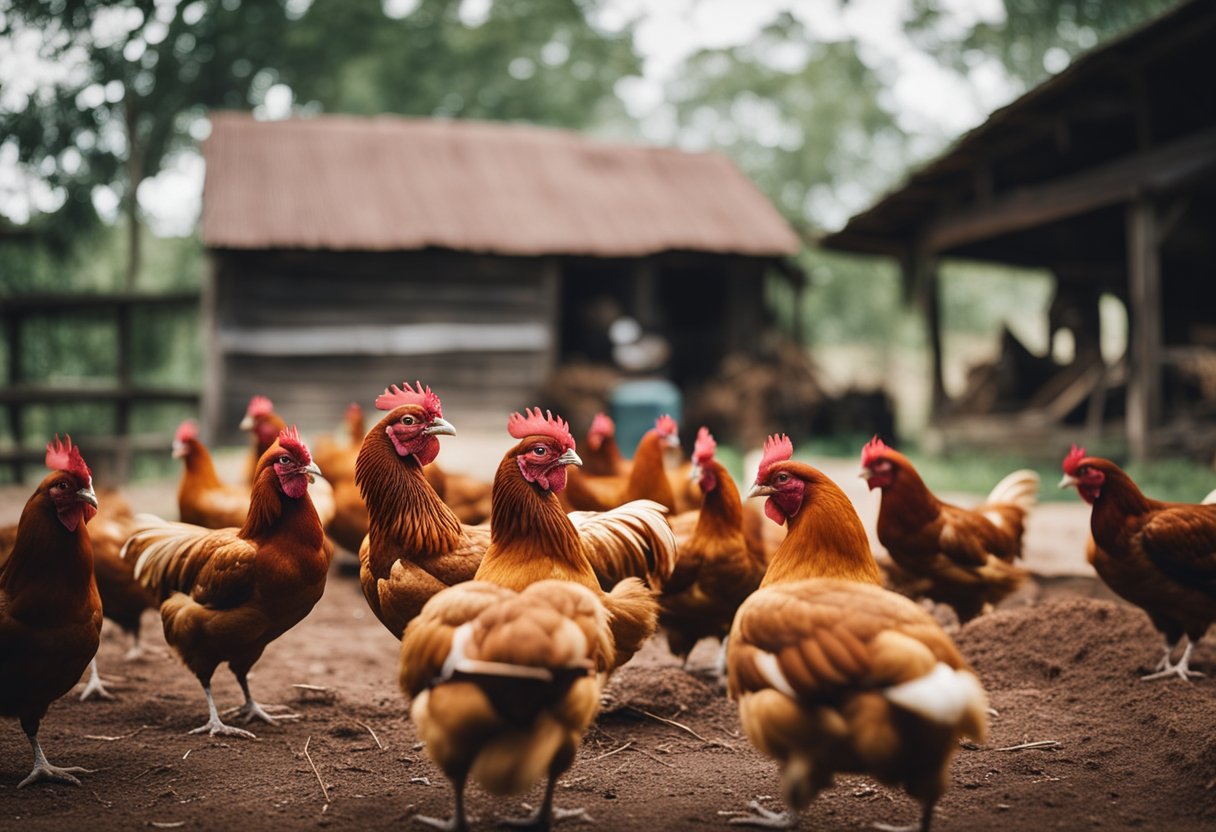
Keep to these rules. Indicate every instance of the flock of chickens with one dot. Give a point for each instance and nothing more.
(510, 628)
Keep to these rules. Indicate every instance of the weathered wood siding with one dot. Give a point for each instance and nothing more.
(316, 330)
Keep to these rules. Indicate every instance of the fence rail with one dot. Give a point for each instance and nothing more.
(123, 392)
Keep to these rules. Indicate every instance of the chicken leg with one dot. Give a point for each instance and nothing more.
(457, 822)
(1182, 670)
(545, 816)
(251, 710)
(43, 771)
(94, 688)
(766, 818)
(214, 726)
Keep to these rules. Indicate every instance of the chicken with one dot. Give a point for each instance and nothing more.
(265, 426)
(467, 496)
(1159, 556)
(716, 571)
(834, 674)
(647, 479)
(505, 672)
(336, 455)
(602, 456)
(201, 498)
(415, 545)
(962, 557)
(123, 599)
(226, 594)
(50, 611)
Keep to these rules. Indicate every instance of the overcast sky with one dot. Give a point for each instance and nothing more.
(929, 101)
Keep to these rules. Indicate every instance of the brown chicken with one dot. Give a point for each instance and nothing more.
(265, 426)
(961, 557)
(123, 599)
(601, 455)
(415, 545)
(467, 496)
(50, 611)
(202, 499)
(647, 478)
(226, 594)
(715, 571)
(1159, 556)
(834, 674)
(336, 455)
(505, 672)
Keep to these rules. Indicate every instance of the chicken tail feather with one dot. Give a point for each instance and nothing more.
(1021, 488)
(947, 697)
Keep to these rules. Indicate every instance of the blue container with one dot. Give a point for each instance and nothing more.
(635, 406)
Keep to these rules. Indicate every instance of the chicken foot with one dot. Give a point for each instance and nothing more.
(545, 816)
(457, 822)
(1182, 670)
(94, 688)
(43, 771)
(215, 727)
(251, 710)
(766, 818)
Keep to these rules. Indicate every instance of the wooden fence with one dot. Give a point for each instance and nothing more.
(112, 453)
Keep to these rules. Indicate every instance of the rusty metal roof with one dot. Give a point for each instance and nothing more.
(391, 183)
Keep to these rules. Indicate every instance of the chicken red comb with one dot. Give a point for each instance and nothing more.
(1073, 460)
(533, 423)
(703, 450)
(186, 430)
(777, 448)
(289, 440)
(259, 406)
(394, 397)
(873, 450)
(666, 426)
(354, 409)
(62, 455)
(602, 425)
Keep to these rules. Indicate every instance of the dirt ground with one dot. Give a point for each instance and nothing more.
(1060, 662)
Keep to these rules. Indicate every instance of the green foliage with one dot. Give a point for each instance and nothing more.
(803, 119)
(540, 61)
(1036, 39)
(853, 299)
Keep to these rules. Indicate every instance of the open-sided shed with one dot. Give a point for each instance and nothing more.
(347, 253)
(1105, 175)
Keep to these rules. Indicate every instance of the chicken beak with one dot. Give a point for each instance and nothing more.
(694, 473)
(570, 458)
(440, 427)
(672, 441)
(179, 449)
(86, 495)
(865, 473)
(313, 470)
(1069, 481)
(246, 423)
(759, 490)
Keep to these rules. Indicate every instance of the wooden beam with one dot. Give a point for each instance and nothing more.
(921, 274)
(1144, 284)
(212, 404)
(1160, 169)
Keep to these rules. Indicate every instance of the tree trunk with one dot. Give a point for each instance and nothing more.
(135, 175)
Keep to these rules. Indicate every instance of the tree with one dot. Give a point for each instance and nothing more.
(803, 119)
(541, 61)
(141, 73)
(1037, 38)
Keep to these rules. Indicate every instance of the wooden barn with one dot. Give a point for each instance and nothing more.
(1105, 175)
(347, 253)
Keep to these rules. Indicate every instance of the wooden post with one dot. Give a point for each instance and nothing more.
(212, 409)
(1144, 348)
(16, 425)
(922, 281)
(122, 408)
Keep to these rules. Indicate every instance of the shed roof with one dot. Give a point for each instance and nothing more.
(392, 183)
(1133, 115)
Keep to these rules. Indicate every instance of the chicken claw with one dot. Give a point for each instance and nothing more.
(766, 818)
(44, 772)
(216, 728)
(94, 689)
(452, 824)
(535, 821)
(1182, 670)
(251, 710)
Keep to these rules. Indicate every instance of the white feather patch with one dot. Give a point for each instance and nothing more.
(769, 668)
(460, 637)
(941, 696)
(995, 518)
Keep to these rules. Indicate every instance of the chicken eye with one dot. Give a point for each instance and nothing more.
(540, 450)
(408, 420)
(284, 460)
(783, 478)
(62, 485)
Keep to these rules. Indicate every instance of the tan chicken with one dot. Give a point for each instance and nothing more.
(647, 478)
(961, 557)
(716, 571)
(202, 499)
(505, 672)
(834, 674)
